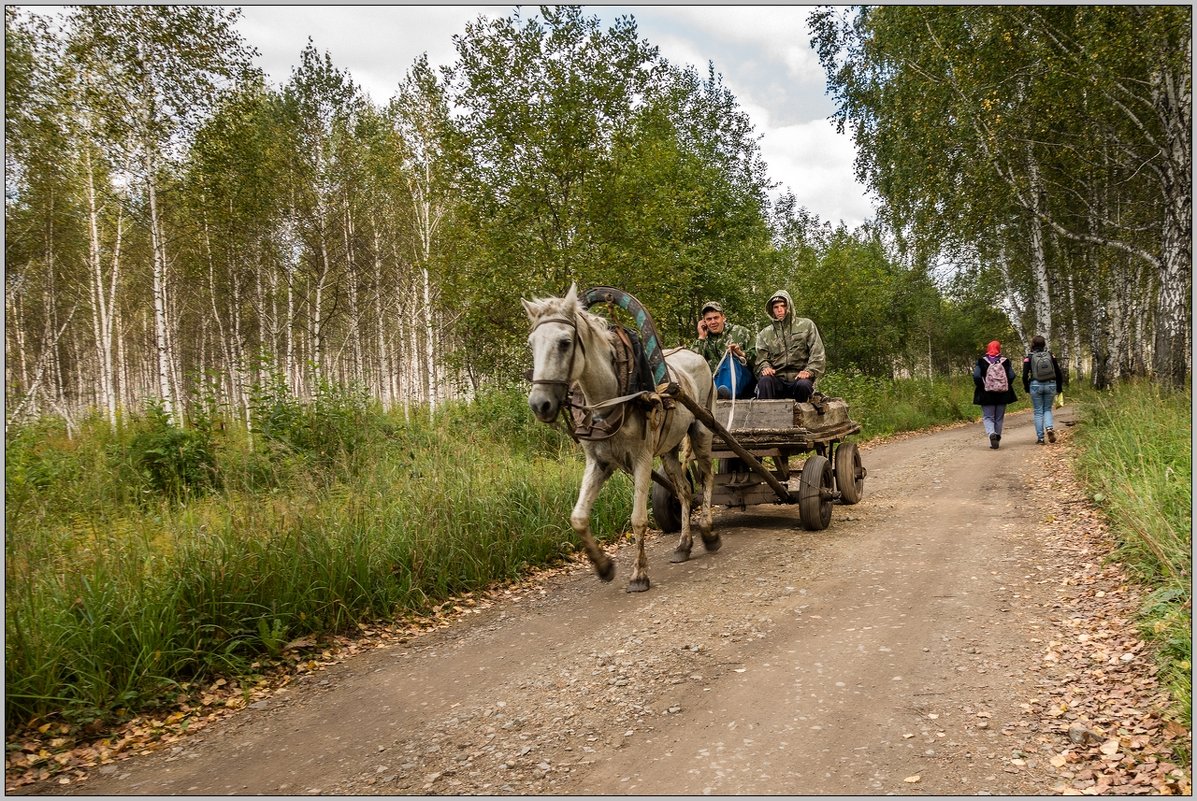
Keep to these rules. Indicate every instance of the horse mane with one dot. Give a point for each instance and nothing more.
(597, 324)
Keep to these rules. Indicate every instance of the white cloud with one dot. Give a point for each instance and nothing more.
(377, 45)
(815, 163)
(774, 33)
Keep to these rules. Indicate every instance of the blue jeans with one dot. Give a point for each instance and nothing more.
(1043, 394)
(993, 417)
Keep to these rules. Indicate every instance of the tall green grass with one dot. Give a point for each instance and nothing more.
(119, 586)
(1136, 458)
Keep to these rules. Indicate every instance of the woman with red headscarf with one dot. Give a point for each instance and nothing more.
(994, 379)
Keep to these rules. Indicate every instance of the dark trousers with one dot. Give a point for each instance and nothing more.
(772, 387)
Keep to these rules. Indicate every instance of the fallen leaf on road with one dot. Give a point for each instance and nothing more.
(913, 779)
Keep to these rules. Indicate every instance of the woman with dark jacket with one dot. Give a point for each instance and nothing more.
(992, 393)
(1042, 378)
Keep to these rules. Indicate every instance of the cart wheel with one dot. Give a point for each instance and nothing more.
(849, 473)
(730, 466)
(667, 510)
(815, 493)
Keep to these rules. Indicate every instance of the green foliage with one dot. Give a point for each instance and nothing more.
(582, 156)
(1136, 458)
(336, 425)
(110, 608)
(994, 135)
(886, 406)
(173, 462)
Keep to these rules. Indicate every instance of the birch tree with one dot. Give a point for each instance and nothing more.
(158, 70)
(322, 103)
(420, 115)
(1078, 117)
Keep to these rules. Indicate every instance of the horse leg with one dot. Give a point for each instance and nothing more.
(641, 477)
(595, 476)
(701, 442)
(677, 477)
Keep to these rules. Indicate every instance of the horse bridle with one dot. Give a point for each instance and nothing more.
(577, 345)
(566, 403)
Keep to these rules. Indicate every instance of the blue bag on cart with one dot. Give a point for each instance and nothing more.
(744, 382)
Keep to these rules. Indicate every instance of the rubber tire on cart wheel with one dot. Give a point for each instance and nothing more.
(815, 493)
(849, 474)
(667, 510)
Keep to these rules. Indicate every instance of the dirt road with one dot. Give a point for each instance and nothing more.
(887, 654)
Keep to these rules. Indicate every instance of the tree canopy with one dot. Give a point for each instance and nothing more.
(1044, 143)
(179, 229)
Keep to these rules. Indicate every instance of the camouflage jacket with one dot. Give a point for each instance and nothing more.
(715, 345)
(790, 344)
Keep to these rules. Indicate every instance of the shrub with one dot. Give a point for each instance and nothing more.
(174, 462)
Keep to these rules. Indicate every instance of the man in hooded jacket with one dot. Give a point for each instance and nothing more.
(789, 353)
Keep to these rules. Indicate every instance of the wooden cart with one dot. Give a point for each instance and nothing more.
(805, 441)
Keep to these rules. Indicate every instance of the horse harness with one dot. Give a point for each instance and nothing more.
(588, 421)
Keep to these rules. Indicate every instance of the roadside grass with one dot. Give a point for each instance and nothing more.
(145, 558)
(120, 586)
(1136, 459)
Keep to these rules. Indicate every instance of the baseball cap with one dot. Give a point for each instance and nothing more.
(711, 304)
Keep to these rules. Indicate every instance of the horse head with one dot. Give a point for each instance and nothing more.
(555, 344)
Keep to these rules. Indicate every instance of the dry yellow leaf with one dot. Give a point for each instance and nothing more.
(913, 779)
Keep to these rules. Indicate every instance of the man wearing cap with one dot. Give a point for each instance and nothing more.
(717, 337)
(789, 352)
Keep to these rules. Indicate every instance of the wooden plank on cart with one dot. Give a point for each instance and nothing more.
(755, 414)
(822, 413)
(709, 420)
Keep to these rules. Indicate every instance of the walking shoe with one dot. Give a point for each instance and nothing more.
(1039, 441)
(993, 440)
(1051, 435)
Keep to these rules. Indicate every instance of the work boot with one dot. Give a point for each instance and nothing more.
(1051, 434)
(993, 441)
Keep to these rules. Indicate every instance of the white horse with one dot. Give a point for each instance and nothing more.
(571, 345)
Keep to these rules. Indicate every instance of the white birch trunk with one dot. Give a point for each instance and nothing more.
(228, 371)
(355, 311)
(161, 339)
(1043, 300)
(385, 396)
(1010, 304)
(102, 307)
(435, 394)
(289, 330)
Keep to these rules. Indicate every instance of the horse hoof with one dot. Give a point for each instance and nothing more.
(680, 555)
(712, 542)
(605, 571)
(638, 585)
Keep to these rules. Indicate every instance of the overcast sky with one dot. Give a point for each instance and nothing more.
(763, 53)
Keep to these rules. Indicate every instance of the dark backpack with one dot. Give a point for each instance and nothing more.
(1041, 366)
